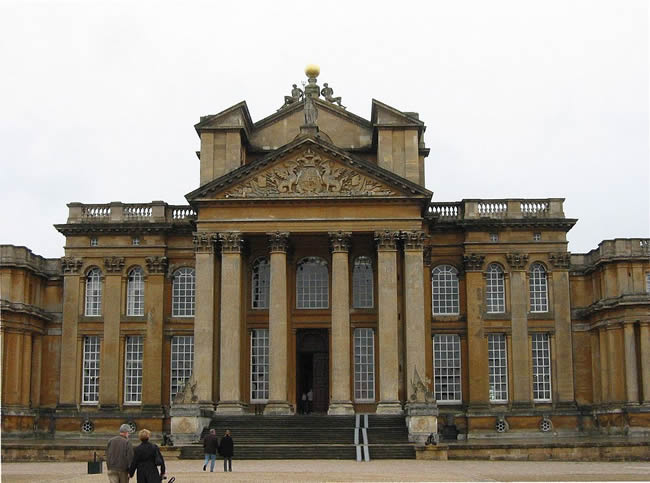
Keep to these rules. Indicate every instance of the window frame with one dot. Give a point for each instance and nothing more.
(135, 292)
(364, 365)
(538, 288)
(93, 293)
(454, 374)
(186, 342)
(133, 369)
(495, 294)
(261, 368)
(90, 367)
(259, 284)
(498, 352)
(188, 297)
(541, 351)
(322, 285)
(363, 289)
(450, 289)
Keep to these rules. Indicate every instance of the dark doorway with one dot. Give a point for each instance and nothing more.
(312, 369)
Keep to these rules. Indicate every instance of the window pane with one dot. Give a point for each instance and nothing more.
(498, 367)
(444, 285)
(133, 370)
(541, 367)
(94, 292)
(364, 365)
(495, 289)
(260, 365)
(182, 361)
(538, 289)
(183, 289)
(362, 283)
(312, 279)
(446, 368)
(135, 292)
(90, 385)
(261, 283)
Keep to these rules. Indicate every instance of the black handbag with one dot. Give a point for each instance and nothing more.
(158, 459)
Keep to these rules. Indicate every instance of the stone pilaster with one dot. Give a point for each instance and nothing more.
(388, 333)
(37, 368)
(341, 402)
(604, 366)
(644, 332)
(26, 375)
(109, 366)
(278, 326)
(154, 342)
(68, 375)
(563, 334)
(631, 374)
(230, 398)
(476, 342)
(521, 379)
(204, 315)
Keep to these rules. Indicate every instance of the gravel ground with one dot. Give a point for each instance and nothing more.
(331, 470)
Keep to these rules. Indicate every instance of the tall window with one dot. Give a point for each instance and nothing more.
(444, 286)
(261, 283)
(446, 368)
(364, 364)
(259, 365)
(362, 284)
(312, 289)
(495, 291)
(94, 292)
(538, 288)
(182, 362)
(541, 367)
(135, 292)
(133, 357)
(183, 293)
(90, 383)
(498, 367)
(647, 282)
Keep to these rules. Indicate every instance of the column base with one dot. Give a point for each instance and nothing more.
(231, 408)
(389, 407)
(278, 408)
(340, 408)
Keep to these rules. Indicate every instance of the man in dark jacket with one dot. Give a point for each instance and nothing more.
(210, 444)
(227, 450)
(119, 454)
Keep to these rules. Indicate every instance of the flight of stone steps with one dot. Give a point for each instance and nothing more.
(310, 437)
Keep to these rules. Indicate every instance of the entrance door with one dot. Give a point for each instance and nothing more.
(312, 346)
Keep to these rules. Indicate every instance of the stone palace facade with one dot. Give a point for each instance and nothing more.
(312, 258)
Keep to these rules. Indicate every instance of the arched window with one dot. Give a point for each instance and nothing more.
(261, 279)
(135, 292)
(444, 287)
(312, 288)
(495, 292)
(183, 289)
(538, 288)
(94, 292)
(362, 285)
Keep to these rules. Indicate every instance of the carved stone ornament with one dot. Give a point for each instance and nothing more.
(278, 241)
(473, 262)
(71, 265)
(413, 240)
(560, 259)
(426, 256)
(306, 176)
(114, 264)
(340, 241)
(204, 242)
(420, 389)
(386, 240)
(231, 242)
(517, 260)
(156, 264)
(187, 395)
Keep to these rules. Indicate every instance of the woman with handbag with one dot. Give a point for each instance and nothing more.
(146, 458)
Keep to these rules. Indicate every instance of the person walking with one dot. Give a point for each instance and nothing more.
(146, 458)
(227, 450)
(119, 454)
(210, 445)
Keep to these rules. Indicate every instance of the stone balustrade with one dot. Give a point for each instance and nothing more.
(512, 208)
(619, 248)
(23, 257)
(118, 212)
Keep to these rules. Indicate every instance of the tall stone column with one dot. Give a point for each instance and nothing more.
(278, 327)
(414, 308)
(615, 351)
(26, 375)
(109, 367)
(37, 368)
(388, 336)
(13, 368)
(204, 251)
(230, 399)
(341, 402)
(69, 375)
(154, 302)
(631, 374)
(476, 341)
(645, 360)
(521, 379)
(604, 366)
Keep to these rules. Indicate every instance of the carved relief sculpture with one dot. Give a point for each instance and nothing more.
(114, 264)
(386, 240)
(278, 241)
(231, 242)
(204, 242)
(71, 265)
(473, 262)
(413, 240)
(517, 260)
(340, 241)
(156, 264)
(560, 259)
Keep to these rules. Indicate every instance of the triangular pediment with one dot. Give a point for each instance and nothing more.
(235, 117)
(385, 115)
(309, 168)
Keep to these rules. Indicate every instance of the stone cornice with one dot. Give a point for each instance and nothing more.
(231, 242)
(387, 240)
(473, 262)
(413, 240)
(28, 309)
(71, 265)
(278, 242)
(604, 305)
(517, 261)
(340, 241)
(204, 242)
(124, 228)
(114, 264)
(156, 264)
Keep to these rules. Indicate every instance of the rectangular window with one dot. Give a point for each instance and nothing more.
(541, 367)
(90, 383)
(537, 236)
(259, 365)
(446, 368)
(182, 361)
(93, 242)
(364, 364)
(494, 237)
(135, 241)
(133, 357)
(647, 282)
(498, 367)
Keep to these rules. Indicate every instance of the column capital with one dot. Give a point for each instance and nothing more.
(204, 242)
(517, 261)
(560, 259)
(413, 240)
(340, 241)
(473, 262)
(231, 242)
(71, 265)
(114, 265)
(156, 264)
(386, 240)
(278, 241)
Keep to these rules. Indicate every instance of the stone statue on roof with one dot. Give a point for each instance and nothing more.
(328, 93)
(311, 113)
(296, 96)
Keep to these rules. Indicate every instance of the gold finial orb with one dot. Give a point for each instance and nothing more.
(312, 70)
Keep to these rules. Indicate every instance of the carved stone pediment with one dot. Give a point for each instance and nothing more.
(309, 174)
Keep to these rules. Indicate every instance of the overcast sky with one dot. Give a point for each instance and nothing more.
(520, 98)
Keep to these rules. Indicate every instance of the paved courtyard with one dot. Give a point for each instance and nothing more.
(331, 470)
